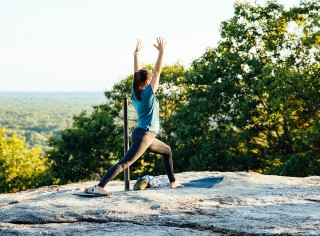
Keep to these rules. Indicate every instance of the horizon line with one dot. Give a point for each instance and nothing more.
(51, 91)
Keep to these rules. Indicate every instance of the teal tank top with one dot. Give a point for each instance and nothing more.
(147, 109)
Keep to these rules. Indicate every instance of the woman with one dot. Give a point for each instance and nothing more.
(143, 97)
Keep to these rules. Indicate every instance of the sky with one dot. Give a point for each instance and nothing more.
(82, 45)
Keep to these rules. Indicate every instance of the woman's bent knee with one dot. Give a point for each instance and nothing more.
(122, 166)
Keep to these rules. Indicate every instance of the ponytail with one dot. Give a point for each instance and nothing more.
(136, 85)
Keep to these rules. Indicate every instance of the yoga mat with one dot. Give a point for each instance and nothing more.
(203, 183)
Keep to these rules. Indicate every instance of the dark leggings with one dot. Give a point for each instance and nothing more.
(142, 140)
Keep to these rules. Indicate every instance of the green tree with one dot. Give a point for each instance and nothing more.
(88, 148)
(20, 167)
(253, 101)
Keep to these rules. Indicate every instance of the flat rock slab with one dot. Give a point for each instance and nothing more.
(242, 203)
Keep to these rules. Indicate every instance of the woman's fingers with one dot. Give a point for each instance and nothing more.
(161, 43)
(139, 42)
(138, 45)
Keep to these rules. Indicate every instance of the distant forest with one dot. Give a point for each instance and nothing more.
(37, 116)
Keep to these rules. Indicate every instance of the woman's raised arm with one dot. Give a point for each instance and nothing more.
(158, 67)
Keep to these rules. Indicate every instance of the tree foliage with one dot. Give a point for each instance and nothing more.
(88, 148)
(20, 167)
(253, 101)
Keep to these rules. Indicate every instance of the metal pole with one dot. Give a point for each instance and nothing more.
(126, 141)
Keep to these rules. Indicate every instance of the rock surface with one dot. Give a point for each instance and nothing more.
(243, 203)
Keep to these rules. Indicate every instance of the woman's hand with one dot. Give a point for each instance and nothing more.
(138, 47)
(161, 44)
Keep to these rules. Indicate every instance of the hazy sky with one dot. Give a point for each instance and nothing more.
(78, 45)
